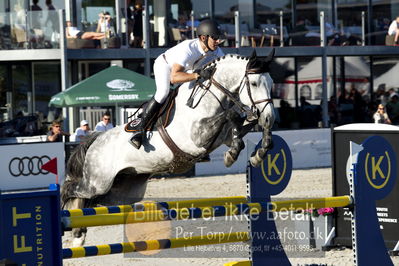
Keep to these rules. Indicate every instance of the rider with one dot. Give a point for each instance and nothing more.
(171, 67)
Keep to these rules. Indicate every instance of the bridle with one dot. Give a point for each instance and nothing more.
(252, 113)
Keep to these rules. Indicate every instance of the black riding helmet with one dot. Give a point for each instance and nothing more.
(209, 28)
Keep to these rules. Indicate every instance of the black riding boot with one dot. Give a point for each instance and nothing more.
(148, 114)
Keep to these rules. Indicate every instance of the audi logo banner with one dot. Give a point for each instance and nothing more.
(21, 165)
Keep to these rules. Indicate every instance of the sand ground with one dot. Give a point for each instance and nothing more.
(304, 183)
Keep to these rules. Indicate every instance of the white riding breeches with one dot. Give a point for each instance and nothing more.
(162, 78)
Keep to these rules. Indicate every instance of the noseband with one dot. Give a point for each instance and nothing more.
(252, 114)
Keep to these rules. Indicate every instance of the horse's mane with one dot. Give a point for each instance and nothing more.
(74, 169)
(228, 56)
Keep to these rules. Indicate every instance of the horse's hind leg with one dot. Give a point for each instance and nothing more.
(127, 188)
(79, 234)
(237, 144)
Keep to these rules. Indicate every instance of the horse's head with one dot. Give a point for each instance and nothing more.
(247, 83)
(256, 93)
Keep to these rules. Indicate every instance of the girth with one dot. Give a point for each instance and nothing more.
(182, 161)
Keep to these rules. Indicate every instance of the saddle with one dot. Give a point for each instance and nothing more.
(163, 116)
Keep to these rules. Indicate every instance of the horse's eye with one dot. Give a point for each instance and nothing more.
(254, 84)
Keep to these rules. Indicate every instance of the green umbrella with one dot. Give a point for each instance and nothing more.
(114, 85)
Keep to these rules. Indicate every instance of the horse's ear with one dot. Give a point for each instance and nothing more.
(270, 56)
(253, 62)
(253, 55)
(266, 63)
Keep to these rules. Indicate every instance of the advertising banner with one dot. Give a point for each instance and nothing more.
(21, 165)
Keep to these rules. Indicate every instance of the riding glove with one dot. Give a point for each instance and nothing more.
(205, 73)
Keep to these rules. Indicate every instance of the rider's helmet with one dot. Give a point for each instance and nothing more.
(210, 28)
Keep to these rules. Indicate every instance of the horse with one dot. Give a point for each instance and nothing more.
(106, 170)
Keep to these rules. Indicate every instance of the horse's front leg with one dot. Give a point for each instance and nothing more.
(236, 144)
(267, 144)
(78, 234)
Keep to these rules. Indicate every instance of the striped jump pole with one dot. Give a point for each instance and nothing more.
(127, 247)
(147, 206)
(202, 212)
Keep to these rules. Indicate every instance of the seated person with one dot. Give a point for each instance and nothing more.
(82, 131)
(74, 33)
(394, 29)
(55, 134)
(104, 23)
(381, 117)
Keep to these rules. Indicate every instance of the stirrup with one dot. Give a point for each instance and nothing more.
(136, 140)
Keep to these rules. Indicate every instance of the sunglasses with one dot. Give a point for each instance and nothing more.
(106, 118)
(57, 126)
(215, 37)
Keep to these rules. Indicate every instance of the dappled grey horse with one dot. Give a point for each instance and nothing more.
(107, 170)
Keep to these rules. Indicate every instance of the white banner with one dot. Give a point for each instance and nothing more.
(20, 165)
(315, 144)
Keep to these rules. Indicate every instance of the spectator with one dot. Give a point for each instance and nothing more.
(105, 124)
(82, 131)
(136, 18)
(394, 29)
(49, 5)
(183, 27)
(36, 16)
(381, 117)
(73, 33)
(333, 110)
(393, 108)
(55, 133)
(52, 23)
(104, 24)
(286, 113)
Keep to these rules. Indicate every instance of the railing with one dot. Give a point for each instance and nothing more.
(29, 30)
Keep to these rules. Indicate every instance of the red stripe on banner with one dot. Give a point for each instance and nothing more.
(51, 166)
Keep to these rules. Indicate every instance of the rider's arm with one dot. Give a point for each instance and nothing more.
(177, 75)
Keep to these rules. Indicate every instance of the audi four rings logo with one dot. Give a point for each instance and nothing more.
(26, 166)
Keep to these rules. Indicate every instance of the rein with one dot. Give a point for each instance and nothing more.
(251, 114)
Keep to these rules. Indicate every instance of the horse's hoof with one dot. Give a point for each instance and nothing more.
(79, 241)
(228, 159)
(256, 159)
(254, 162)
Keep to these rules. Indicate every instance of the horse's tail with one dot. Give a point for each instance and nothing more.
(74, 170)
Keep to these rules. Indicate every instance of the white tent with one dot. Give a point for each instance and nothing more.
(310, 77)
(389, 78)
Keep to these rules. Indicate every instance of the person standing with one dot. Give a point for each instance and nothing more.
(136, 15)
(394, 29)
(105, 124)
(381, 117)
(172, 67)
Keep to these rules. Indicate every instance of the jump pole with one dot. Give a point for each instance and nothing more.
(128, 247)
(202, 212)
(151, 206)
